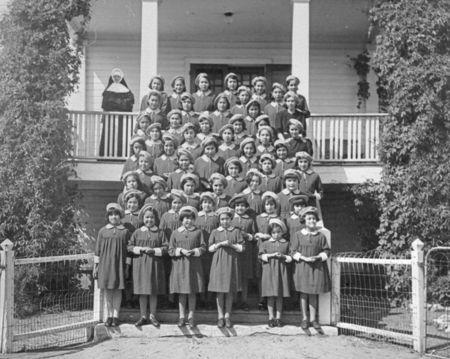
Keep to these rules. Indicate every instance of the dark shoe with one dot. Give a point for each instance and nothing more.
(304, 324)
(191, 323)
(278, 323)
(316, 325)
(154, 321)
(221, 323)
(228, 323)
(141, 322)
(271, 323)
(115, 322)
(108, 322)
(181, 322)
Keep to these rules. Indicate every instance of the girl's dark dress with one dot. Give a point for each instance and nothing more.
(148, 269)
(186, 276)
(275, 274)
(310, 277)
(111, 249)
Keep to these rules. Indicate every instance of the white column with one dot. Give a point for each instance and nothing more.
(149, 44)
(300, 44)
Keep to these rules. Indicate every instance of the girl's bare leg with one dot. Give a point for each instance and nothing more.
(313, 300)
(228, 304)
(270, 303)
(279, 306)
(143, 303)
(220, 299)
(182, 304)
(304, 305)
(153, 303)
(109, 294)
(192, 304)
(117, 299)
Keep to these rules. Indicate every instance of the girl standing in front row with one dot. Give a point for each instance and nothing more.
(225, 277)
(186, 246)
(274, 282)
(310, 249)
(110, 260)
(148, 244)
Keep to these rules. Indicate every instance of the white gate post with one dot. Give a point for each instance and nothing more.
(335, 291)
(418, 296)
(99, 303)
(6, 296)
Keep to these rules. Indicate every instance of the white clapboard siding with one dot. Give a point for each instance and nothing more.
(3, 7)
(333, 82)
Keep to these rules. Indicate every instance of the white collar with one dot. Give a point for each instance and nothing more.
(265, 215)
(309, 171)
(249, 191)
(287, 192)
(263, 148)
(151, 142)
(145, 229)
(282, 240)
(153, 196)
(221, 229)
(183, 229)
(305, 232)
(110, 226)
(240, 135)
(134, 158)
(237, 179)
(203, 94)
(245, 215)
(209, 159)
(245, 159)
(287, 160)
(276, 104)
(225, 147)
(206, 214)
(149, 111)
(171, 211)
(127, 211)
(294, 216)
(249, 119)
(165, 157)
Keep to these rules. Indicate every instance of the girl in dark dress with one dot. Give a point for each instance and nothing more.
(204, 97)
(273, 254)
(310, 250)
(186, 278)
(110, 260)
(226, 243)
(157, 83)
(148, 244)
(178, 85)
(117, 97)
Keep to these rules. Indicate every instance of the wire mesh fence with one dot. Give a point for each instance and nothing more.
(437, 271)
(375, 296)
(53, 301)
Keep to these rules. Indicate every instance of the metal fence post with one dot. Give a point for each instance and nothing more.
(335, 291)
(418, 297)
(99, 303)
(6, 296)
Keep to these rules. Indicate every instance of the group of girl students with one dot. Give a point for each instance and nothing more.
(273, 239)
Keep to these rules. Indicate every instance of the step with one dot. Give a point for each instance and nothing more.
(201, 330)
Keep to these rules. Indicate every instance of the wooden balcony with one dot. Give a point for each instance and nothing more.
(343, 143)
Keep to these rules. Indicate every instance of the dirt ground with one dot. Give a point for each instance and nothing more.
(257, 346)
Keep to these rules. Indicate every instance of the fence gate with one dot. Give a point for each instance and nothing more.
(45, 302)
(437, 289)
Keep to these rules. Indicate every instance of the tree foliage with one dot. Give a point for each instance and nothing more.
(411, 59)
(38, 70)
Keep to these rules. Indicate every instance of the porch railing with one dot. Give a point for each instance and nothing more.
(336, 137)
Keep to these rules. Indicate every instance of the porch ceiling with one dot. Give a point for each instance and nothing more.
(253, 20)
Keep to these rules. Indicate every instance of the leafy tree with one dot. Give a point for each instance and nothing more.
(38, 70)
(412, 61)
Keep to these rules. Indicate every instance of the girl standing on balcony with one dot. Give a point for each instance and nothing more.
(204, 98)
(310, 251)
(244, 94)
(225, 278)
(277, 104)
(137, 144)
(259, 87)
(186, 278)
(110, 261)
(157, 83)
(148, 244)
(231, 83)
(222, 114)
(178, 85)
(117, 97)
(292, 83)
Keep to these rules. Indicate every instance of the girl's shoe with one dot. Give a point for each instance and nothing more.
(316, 325)
(181, 322)
(141, 322)
(191, 323)
(228, 323)
(221, 323)
(108, 322)
(154, 321)
(115, 322)
(278, 323)
(271, 323)
(304, 325)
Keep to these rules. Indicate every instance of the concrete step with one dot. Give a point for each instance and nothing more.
(201, 330)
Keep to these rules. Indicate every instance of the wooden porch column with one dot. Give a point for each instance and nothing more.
(300, 44)
(149, 44)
